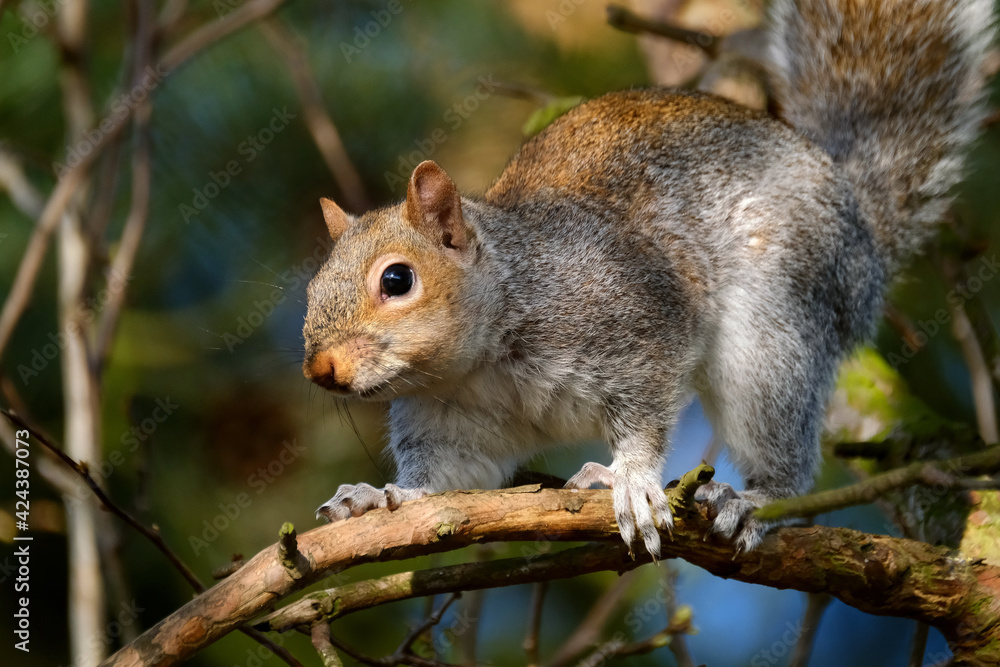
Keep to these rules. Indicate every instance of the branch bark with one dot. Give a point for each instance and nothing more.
(334, 603)
(876, 574)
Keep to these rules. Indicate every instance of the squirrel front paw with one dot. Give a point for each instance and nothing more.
(640, 503)
(356, 499)
(734, 518)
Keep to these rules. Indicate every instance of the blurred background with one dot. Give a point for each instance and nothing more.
(204, 426)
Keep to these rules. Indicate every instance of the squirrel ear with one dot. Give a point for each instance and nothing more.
(433, 205)
(336, 219)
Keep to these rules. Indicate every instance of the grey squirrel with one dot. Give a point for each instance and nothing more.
(652, 244)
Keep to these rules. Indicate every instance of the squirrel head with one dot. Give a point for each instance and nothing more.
(387, 312)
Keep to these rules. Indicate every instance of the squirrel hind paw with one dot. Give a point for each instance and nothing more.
(734, 518)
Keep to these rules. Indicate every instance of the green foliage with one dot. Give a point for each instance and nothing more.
(543, 116)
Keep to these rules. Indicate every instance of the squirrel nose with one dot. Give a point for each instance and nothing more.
(322, 369)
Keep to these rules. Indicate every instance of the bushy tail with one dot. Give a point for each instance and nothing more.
(893, 90)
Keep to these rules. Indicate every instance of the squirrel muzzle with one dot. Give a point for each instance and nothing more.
(337, 368)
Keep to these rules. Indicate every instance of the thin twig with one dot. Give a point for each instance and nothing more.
(919, 646)
(405, 649)
(403, 655)
(81, 470)
(678, 645)
(135, 222)
(522, 91)
(615, 649)
(531, 644)
(982, 381)
(903, 325)
(816, 604)
(947, 472)
(588, 633)
(279, 651)
(214, 31)
(229, 568)
(51, 470)
(105, 191)
(355, 655)
(22, 193)
(864, 450)
(141, 17)
(472, 611)
(320, 634)
(954, 270)
(170, 17)
(71, 33)
(34, 254)
(324, 133)
(628, 21)
(149, 534)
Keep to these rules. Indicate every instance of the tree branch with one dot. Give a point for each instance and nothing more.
(334, 603)
(876, 574)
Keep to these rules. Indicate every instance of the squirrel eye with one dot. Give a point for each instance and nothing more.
(397, 280)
